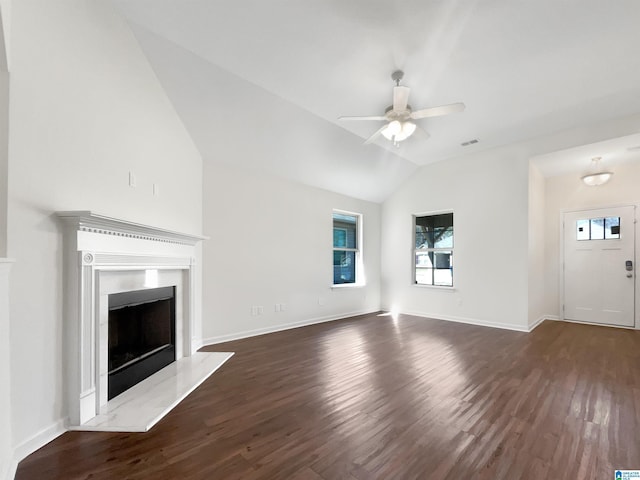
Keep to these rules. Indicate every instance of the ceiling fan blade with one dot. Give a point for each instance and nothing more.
(375, 135)
(374, 117)
(438, 111)
(421, 133)
(400, 98)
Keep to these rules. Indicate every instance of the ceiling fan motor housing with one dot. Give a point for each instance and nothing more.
(392, 114)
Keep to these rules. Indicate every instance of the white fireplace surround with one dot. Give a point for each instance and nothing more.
(104, 255)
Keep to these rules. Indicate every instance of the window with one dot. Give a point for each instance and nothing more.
(433, 252)
(598, 228)
(346, 248)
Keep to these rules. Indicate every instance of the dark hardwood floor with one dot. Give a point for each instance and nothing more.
(374, 398)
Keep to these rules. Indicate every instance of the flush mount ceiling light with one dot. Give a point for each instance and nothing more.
(597, 176)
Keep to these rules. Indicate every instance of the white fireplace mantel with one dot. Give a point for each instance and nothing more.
(88, 221)
(104, 255)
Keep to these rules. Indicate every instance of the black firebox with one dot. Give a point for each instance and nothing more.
(142, 333)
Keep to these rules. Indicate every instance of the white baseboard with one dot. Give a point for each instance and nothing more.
(33, 443)
(278, 328)
(538, 321)
(196, 344)
(469, 321)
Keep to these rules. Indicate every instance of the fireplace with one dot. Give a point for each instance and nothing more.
(106, 257)
(142, 336)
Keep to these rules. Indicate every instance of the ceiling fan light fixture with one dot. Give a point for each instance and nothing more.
(397, 131)
(392, 130)
(408, 128)
(597, 176)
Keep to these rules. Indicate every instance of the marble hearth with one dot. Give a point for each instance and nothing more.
(104, 256)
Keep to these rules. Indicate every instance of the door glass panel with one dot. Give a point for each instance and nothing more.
(597, 229)
(582, 230)
(612, 227)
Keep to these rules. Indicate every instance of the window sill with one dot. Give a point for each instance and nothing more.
(348, 285)
(435, 287)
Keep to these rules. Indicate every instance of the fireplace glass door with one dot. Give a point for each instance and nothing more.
(141, 336)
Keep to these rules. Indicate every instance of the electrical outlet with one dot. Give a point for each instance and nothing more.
(133, 183)
(320, 301)
(283, 307)
(156, 190)
(260, 309)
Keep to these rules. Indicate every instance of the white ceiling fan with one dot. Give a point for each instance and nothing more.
(399, 116)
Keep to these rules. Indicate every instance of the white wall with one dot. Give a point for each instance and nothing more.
(5, 36)
(271, 243)
(568, 193)
(6, 447)
(4, 159)
(536, 280)
(488, 195)
(86, 109)
(6, 451)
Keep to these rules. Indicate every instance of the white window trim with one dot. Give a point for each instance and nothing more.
(446, 288)
(449, 288)
(338, 286)
(360, 277)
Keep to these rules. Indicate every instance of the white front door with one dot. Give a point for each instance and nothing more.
(599, 266)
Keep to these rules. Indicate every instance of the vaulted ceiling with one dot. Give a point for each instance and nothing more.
(261, 84)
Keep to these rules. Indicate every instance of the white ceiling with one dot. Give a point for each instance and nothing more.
(616, 151)
(523, 69)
